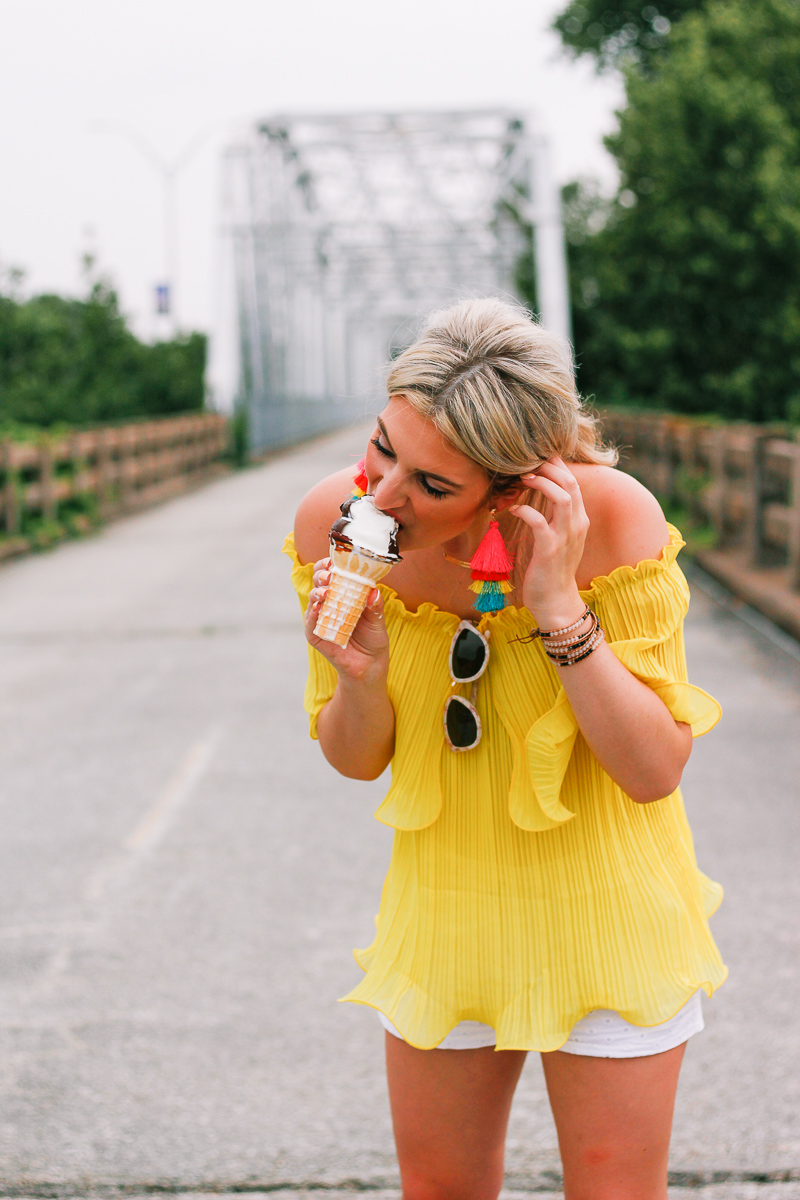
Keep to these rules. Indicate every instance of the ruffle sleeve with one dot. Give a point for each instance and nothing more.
(322, 677)
(418, 686)
(642, 610)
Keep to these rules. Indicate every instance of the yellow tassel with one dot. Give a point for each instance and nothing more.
(502, 585)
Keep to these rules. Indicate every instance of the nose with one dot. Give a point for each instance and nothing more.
(388, 492)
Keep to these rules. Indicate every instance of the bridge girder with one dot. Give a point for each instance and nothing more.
(346, 229)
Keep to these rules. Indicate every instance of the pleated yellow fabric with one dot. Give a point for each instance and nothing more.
(525, 888)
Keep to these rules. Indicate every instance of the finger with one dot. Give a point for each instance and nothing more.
(556, 471)
(558, 496)
(322, 564)
(370, 631)
(374, 608)
(316, 597)
(559, 473)
(531, 516)
(321, 578)
(311, 620)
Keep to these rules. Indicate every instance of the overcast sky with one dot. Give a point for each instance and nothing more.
(178, 69)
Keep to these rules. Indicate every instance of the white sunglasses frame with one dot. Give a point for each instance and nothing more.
(473, 679)
(462, 625)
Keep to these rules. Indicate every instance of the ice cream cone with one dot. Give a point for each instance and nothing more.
(354, 573)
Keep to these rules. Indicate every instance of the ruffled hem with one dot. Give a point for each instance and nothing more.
(623, 576)
(321, 682)
(302, 573)
(535, 801)
(618, 578)
(543, 747)
(424, 1022)
(711, 893)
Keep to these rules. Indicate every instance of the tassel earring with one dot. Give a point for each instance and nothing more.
(491, 565)
(360, 481)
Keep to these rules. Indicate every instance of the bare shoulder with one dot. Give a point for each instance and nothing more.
(626, 521)
(317, 511)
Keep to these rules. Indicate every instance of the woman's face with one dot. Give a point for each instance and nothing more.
(433, 490)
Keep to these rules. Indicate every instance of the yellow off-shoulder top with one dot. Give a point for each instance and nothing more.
(525, 888)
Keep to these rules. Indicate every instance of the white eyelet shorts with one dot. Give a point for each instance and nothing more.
(600, 1034)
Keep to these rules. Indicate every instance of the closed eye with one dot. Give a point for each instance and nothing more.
(426, 486)
(431, 490)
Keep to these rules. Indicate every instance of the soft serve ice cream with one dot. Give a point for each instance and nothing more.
(365, 526)
(363, 549)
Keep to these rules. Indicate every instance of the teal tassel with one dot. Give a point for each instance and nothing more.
(490, 598)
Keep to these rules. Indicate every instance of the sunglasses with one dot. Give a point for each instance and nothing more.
(468, 659)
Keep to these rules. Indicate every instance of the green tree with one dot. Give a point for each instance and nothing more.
(620, 32)
(76, 361)
(688, 297)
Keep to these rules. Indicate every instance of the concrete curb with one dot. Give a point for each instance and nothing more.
(765, 589)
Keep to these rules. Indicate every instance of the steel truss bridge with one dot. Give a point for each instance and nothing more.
(346, 230)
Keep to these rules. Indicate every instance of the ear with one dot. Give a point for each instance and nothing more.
(508, 496)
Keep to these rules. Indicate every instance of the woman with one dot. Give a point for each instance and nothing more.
(543, 892)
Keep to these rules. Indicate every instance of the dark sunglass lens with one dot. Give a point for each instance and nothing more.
(462, 728)
(468, 654)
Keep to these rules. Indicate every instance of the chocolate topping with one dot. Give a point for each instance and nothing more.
(340, 538)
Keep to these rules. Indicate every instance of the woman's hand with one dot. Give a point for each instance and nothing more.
(549, 590)
(355, 727)
(365, 658)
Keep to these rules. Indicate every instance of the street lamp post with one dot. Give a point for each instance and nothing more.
(169, 170)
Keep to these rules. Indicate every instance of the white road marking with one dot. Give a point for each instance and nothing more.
(143, 838)
(151, 828)
(155, 823)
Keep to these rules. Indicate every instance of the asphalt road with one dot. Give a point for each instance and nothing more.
(182, 879)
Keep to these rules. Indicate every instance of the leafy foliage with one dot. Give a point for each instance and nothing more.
(76, 361)
(620, 32)
(686, 287)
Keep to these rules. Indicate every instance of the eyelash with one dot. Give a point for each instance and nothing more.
(432, 491)
(426, 487)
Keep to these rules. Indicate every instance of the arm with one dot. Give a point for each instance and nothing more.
(356, 727)
(627, 727)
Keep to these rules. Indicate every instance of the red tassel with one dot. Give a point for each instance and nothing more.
(492, 576)
(491, 560)
(360, 480)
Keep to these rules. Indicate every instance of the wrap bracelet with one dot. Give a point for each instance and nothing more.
(580, 649)
(547, 634)
(565, 647)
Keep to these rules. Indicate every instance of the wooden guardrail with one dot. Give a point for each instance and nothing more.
(123, 467)
(743, 479)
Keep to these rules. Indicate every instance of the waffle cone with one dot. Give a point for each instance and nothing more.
(347, 596)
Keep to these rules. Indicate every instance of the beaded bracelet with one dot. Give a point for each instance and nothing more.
(546, 634)
(565, 650)
(576, 639)
(578, 650)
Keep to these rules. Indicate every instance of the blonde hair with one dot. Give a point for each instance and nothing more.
(499, 388)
